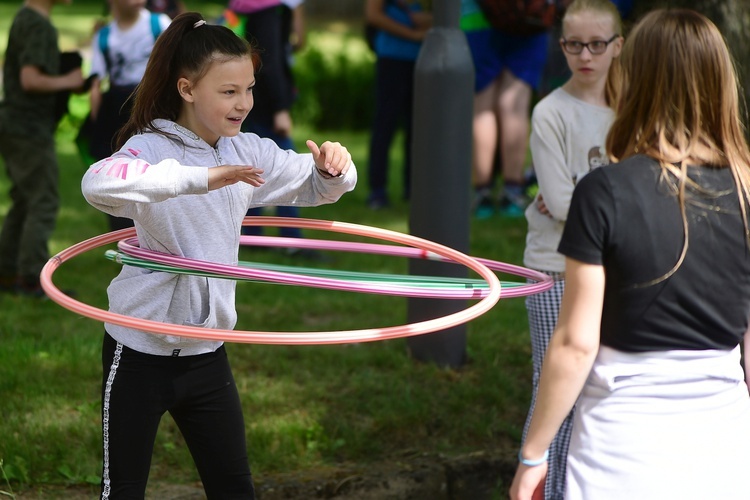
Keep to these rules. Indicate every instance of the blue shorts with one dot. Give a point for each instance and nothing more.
(493, 51)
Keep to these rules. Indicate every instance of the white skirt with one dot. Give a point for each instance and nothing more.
(670, 425)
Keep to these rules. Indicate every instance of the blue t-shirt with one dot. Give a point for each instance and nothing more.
(394, 47)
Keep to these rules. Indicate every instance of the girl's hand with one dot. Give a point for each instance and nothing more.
(282, 123)
(528, 484)
(331, 158)
(422, 20)
(226, 175)
(540, 205)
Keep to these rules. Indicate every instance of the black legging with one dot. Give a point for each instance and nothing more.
(394, 86)
(200, 394)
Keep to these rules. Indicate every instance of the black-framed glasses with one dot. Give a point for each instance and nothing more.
(595, 47)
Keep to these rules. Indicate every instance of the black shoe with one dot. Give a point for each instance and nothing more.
(32, 288)
(8, 284)
(33, 293)
(377, 201)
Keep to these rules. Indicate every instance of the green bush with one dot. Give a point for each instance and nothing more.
(335, 79)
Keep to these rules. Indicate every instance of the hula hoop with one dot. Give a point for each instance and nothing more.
(287, 338)
(130, 247)
(396, 280)
(543, 281)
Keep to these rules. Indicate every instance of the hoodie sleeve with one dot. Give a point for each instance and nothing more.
(291, 179)
(116, 185)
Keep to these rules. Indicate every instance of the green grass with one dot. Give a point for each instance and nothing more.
(305, 407)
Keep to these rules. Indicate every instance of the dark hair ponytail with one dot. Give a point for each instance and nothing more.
(186, 48)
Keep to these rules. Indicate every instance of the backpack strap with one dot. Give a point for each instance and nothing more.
(155, 25)
(103, 37)
(103, 40)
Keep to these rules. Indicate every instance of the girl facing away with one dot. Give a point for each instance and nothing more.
(186, 176)
(569, 130)
(657, 295)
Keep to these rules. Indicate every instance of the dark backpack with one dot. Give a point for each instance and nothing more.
(520, 17)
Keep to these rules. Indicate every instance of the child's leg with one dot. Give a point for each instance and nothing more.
(131, 409)
(209, 415)
(31, 164)
(543, 310)
(392, 76)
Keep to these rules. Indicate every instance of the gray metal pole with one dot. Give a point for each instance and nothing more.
(441, 175)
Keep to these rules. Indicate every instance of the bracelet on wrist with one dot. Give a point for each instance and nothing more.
(532, 463)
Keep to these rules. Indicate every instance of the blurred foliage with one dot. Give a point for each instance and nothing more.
(335, 81)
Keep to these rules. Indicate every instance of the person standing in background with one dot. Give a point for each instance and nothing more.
(568, 131)
(401, 25)
(508, 69)
(294, 22)
(120, 52)
(277, 30)
(27, 144)
(271, 27)
(172, 8)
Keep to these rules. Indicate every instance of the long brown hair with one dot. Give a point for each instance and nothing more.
(186, 48)
(614, 75)
(680, 103)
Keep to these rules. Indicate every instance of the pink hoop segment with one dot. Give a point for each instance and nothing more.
(289, 338)
(130, 247)
(542, 282)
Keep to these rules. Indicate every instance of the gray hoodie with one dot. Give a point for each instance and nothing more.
(162, 184)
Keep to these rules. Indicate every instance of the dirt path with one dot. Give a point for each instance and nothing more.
(476, 476)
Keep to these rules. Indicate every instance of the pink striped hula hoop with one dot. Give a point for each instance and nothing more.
(129, 246)
(542, 283)
(288, 338)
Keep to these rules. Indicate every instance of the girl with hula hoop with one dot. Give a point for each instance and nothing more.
(186, 175)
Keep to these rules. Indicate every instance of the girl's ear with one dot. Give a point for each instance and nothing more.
(185, 88)
(618, 46)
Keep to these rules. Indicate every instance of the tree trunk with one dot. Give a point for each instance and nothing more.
(732, 17)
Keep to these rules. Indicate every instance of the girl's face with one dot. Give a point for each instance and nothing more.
(218, 103)
(588, 27)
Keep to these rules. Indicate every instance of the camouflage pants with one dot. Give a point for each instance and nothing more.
(31, 164)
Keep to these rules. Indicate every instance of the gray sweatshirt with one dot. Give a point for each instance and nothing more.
(567, 142)
(162, 184)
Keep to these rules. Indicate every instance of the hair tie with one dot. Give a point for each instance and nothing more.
(199, 23)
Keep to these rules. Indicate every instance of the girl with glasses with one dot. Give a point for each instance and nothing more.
(568, 130)
(657, 298)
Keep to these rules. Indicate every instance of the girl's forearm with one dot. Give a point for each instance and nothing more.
(564, 373)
